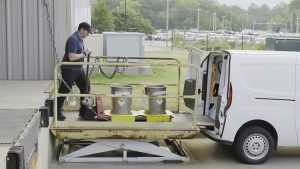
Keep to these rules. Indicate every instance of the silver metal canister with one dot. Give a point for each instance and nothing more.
(121, 105)
(157, 105)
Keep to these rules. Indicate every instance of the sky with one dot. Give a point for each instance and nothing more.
(245, 3)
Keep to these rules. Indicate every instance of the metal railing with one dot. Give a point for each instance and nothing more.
(178, 65)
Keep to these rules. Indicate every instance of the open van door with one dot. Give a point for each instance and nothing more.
(213, 87)
(224, 94)
(216, 90)
(197, 57)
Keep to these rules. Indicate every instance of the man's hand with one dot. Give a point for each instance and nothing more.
(88, 51)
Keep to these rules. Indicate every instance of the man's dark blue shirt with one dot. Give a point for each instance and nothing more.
(75, 45)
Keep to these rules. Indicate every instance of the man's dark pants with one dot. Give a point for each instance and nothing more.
(70, 76)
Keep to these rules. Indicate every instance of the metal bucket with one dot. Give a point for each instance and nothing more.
(121, 105)
(156, 105)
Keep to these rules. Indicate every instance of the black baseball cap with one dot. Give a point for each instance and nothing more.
(85, 26)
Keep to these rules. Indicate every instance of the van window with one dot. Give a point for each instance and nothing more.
(269, 78)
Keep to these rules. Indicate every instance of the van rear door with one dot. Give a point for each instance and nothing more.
(224, 94)
(199, 59)
(214, 86)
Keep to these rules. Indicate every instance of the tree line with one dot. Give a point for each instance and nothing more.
(148, 15)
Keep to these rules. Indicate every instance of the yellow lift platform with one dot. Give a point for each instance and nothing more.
(125, 136)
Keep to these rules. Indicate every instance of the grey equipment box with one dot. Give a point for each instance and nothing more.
(283, 44)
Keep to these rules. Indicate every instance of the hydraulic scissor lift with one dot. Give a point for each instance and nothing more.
(100, 141)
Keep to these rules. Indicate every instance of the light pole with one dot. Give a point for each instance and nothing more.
(126, 27)
(198, 19)
(167, 24)
(297, 31)
(291, 28)
(214, 20)
(231, 19)
(244, 20)
(223, 19)
(226, 19)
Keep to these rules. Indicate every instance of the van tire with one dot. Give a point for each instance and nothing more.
(254, 145)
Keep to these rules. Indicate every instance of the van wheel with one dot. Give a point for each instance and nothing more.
(254, 145)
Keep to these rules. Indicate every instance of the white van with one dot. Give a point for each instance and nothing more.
(252, 98)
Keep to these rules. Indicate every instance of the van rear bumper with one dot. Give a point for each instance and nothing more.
(213, 136)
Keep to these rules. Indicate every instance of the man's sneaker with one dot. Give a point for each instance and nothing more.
(82, 111)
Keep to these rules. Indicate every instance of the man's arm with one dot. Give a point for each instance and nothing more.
(74, 56)
(72, 47)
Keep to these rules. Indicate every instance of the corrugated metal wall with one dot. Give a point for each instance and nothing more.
(25, 45)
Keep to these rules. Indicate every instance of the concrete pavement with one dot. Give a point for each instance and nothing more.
(22, 94)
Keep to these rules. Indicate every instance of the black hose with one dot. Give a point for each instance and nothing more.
(87, 74)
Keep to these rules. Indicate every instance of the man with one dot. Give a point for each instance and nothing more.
(74, 52)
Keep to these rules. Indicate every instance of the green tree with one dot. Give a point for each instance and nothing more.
(102, 18)
(280, 18)
(155, 11)
(183, 14)
(134, 22)
(109, 15)
(112, 3)
(294, 5)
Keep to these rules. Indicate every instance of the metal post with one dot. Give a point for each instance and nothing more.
(242, 41)
(178, 88)
(207, 41)
(167, 24)
(223, 19)
(297, 29)
(126, 26)
(242, 23)
(226, 19)
(173, 37)
(230, 19)
(212, 20)
(215, 20)
(55, 95)
(198, 19)
(291, 28)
